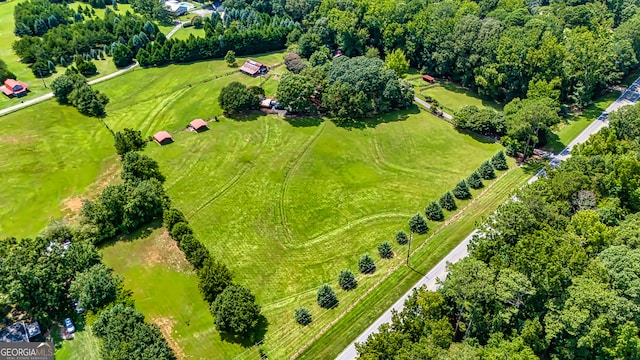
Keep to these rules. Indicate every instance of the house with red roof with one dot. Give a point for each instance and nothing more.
(14, 88)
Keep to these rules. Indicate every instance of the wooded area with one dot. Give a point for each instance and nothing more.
(553, 275)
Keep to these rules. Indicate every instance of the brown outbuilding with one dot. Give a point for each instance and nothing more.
(253, 68)
(163, 138)
(428, 78)
(198, 125)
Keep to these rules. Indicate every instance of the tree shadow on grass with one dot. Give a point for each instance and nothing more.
(398, 115)
(141, 233)
(253, 339)
(251, 116)
(477, 137)
(307, 121)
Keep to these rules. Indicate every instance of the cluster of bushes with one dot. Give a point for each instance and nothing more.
(482, 121)
(36, 17)
(236, 97)
(72, 88)
(125, 335)
(123, 208)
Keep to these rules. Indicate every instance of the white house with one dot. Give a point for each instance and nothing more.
(176, 8)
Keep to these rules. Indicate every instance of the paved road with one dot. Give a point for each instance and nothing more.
(628, 97)
(48, 96)
(428, 106)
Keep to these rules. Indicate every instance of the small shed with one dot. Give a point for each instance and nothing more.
(163, 138)
(266, 103)
(14, 88)
(428, 78)
(198, 125)
(253, 68)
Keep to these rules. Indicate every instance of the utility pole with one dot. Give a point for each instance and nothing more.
(41, 77)
(409, 246)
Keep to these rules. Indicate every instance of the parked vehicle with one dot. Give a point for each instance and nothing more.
(68, 325)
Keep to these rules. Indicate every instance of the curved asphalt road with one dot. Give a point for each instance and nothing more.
(628, 97)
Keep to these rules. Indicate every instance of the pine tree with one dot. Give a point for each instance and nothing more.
(347, 280)
(303, 316)
(475, 181)
(366, 264)
(448, 202)
(433, 211)
(486, 171)
(499, 161)
(385, 251)
(417, 224)
(462, 191)
(401, 237)
(327, 297)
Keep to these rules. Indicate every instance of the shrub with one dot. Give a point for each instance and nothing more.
(462, 191)
(179, 230)
(230, 58)
(417, 224)
(499, 161)
(433, 211)
(327, 297)
(385, 251)
(214, 277)
(294, 63)
(401, 237)
(171, 217)
(475, 181)
(303, 316)
(447, 202)
(194, 251)
(347, 280)
(486, 171)
(366, 264)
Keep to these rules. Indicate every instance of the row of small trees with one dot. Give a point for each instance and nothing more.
(417, 224)
(327, 297)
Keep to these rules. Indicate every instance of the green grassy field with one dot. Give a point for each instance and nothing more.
(52, 154)
(184, 33)
(286, 204)
(22, 71)
(319, 197)
(575, 124)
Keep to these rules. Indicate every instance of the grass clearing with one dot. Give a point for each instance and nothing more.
(165, 290)
(575, 124)
(320, 197)
(287, 204)
(185, 32)
(83, 346)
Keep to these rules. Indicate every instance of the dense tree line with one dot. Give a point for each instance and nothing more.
(495, 48)
(553, 275)
(120, 35)
(249, 33)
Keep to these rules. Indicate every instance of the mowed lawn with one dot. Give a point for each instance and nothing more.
(50, 155)
(288, 205)
(22, 71)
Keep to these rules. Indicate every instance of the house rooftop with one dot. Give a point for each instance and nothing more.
(198, 124)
